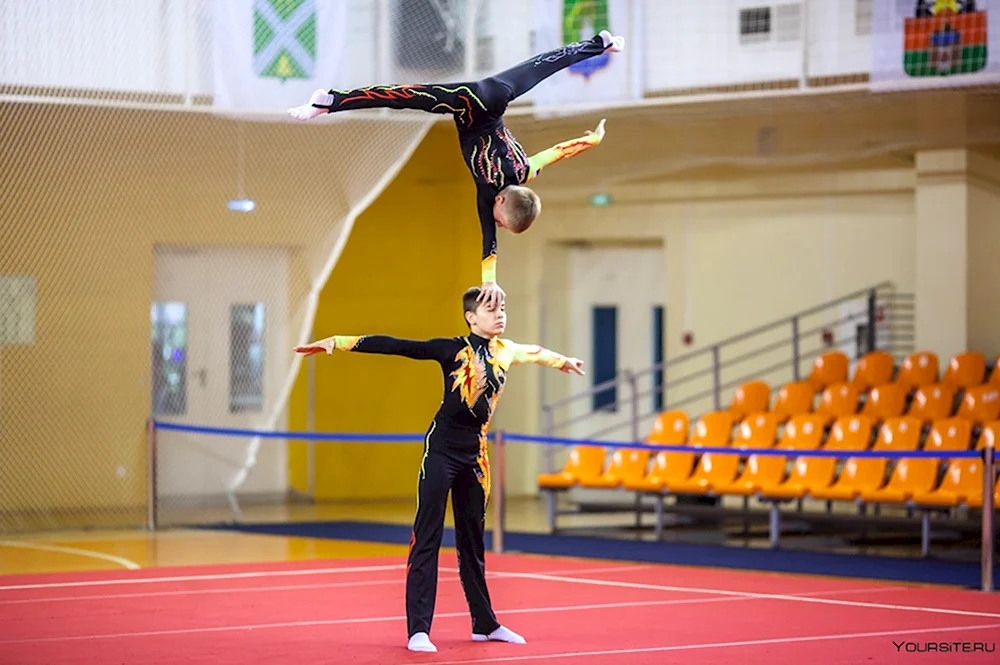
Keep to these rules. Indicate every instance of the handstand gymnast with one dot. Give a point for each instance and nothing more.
(497, 161)
(455, 456)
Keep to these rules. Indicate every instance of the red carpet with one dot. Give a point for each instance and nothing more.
(569, 611)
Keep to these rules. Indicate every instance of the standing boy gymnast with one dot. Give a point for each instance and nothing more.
(499, 165)
(455, 458)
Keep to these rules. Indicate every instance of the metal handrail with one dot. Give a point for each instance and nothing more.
(880, 295)
(690, 355)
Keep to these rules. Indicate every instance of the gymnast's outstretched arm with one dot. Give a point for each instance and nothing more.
(522, 354)
(438, 348)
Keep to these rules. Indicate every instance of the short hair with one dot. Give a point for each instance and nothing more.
(470, 302)
(522, 206)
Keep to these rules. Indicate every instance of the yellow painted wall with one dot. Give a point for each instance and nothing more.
(410, 257)
(85, 194)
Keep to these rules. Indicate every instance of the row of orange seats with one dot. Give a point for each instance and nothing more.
(913, 481)
(874, 391)
(964, 371)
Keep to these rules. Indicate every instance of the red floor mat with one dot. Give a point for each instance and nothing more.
(568, 610)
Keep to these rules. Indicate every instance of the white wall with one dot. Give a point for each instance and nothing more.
(164, 46)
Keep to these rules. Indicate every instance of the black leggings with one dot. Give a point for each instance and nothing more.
(461, 474)
(470, 102)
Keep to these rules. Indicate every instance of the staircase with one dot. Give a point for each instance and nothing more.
(705, 379)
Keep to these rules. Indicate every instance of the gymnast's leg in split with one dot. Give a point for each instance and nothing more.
(468, 102)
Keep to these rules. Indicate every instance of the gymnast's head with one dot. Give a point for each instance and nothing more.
(515, 208)
(483, 319)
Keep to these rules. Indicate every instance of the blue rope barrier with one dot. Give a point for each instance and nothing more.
(297, 436)
(560, 441)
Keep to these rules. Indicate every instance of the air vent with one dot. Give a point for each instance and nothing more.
(755, 25)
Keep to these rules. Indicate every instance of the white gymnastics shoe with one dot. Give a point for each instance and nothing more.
(501, 634)
(421, 642)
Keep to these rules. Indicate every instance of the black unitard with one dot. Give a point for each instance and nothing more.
(491, 152)
(455, 459)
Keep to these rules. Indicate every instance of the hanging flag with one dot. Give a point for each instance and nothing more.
(272, 54)
(604, 79)
(932, 43)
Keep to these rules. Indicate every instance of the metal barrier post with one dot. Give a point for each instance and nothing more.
(311, 426)
(989, 533)
(151, 474)
(497, 486)
(550, 427)
(633, 384)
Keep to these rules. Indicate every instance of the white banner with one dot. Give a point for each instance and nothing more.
(934, 43)
(609, 78)
(272, 54)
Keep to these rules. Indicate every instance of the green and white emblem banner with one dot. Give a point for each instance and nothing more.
(272, 54)
(609, 78)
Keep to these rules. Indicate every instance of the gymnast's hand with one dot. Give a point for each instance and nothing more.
(599, 132)
(322, 346)
(491, 294)
(573, 366)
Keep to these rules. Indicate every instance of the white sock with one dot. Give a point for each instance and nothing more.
(612, 43)
(308, 111)
(421, 642)
(501, 634)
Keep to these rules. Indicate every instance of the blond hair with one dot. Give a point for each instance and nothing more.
(521, 206)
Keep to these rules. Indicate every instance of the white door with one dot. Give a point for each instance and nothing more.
(615, 294)
(220, 355)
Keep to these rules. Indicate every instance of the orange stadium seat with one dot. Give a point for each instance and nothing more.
(860, 474)
(793, 398)
(934, 402)
(751, 397)
(829, 368)
(813, 473)
(966, 370)
(585, 462)
(802, 432)
(919, 369)
(963, 479)
(874, 369)
(671, 429)
(980, 404)
(949, 434)
(713, 429)
(885, 401)
(718, 470)
(839, 399)
(629, 465)
(626, 463)
(918, 475)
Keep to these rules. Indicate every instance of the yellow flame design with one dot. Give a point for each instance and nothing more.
(470, 377)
